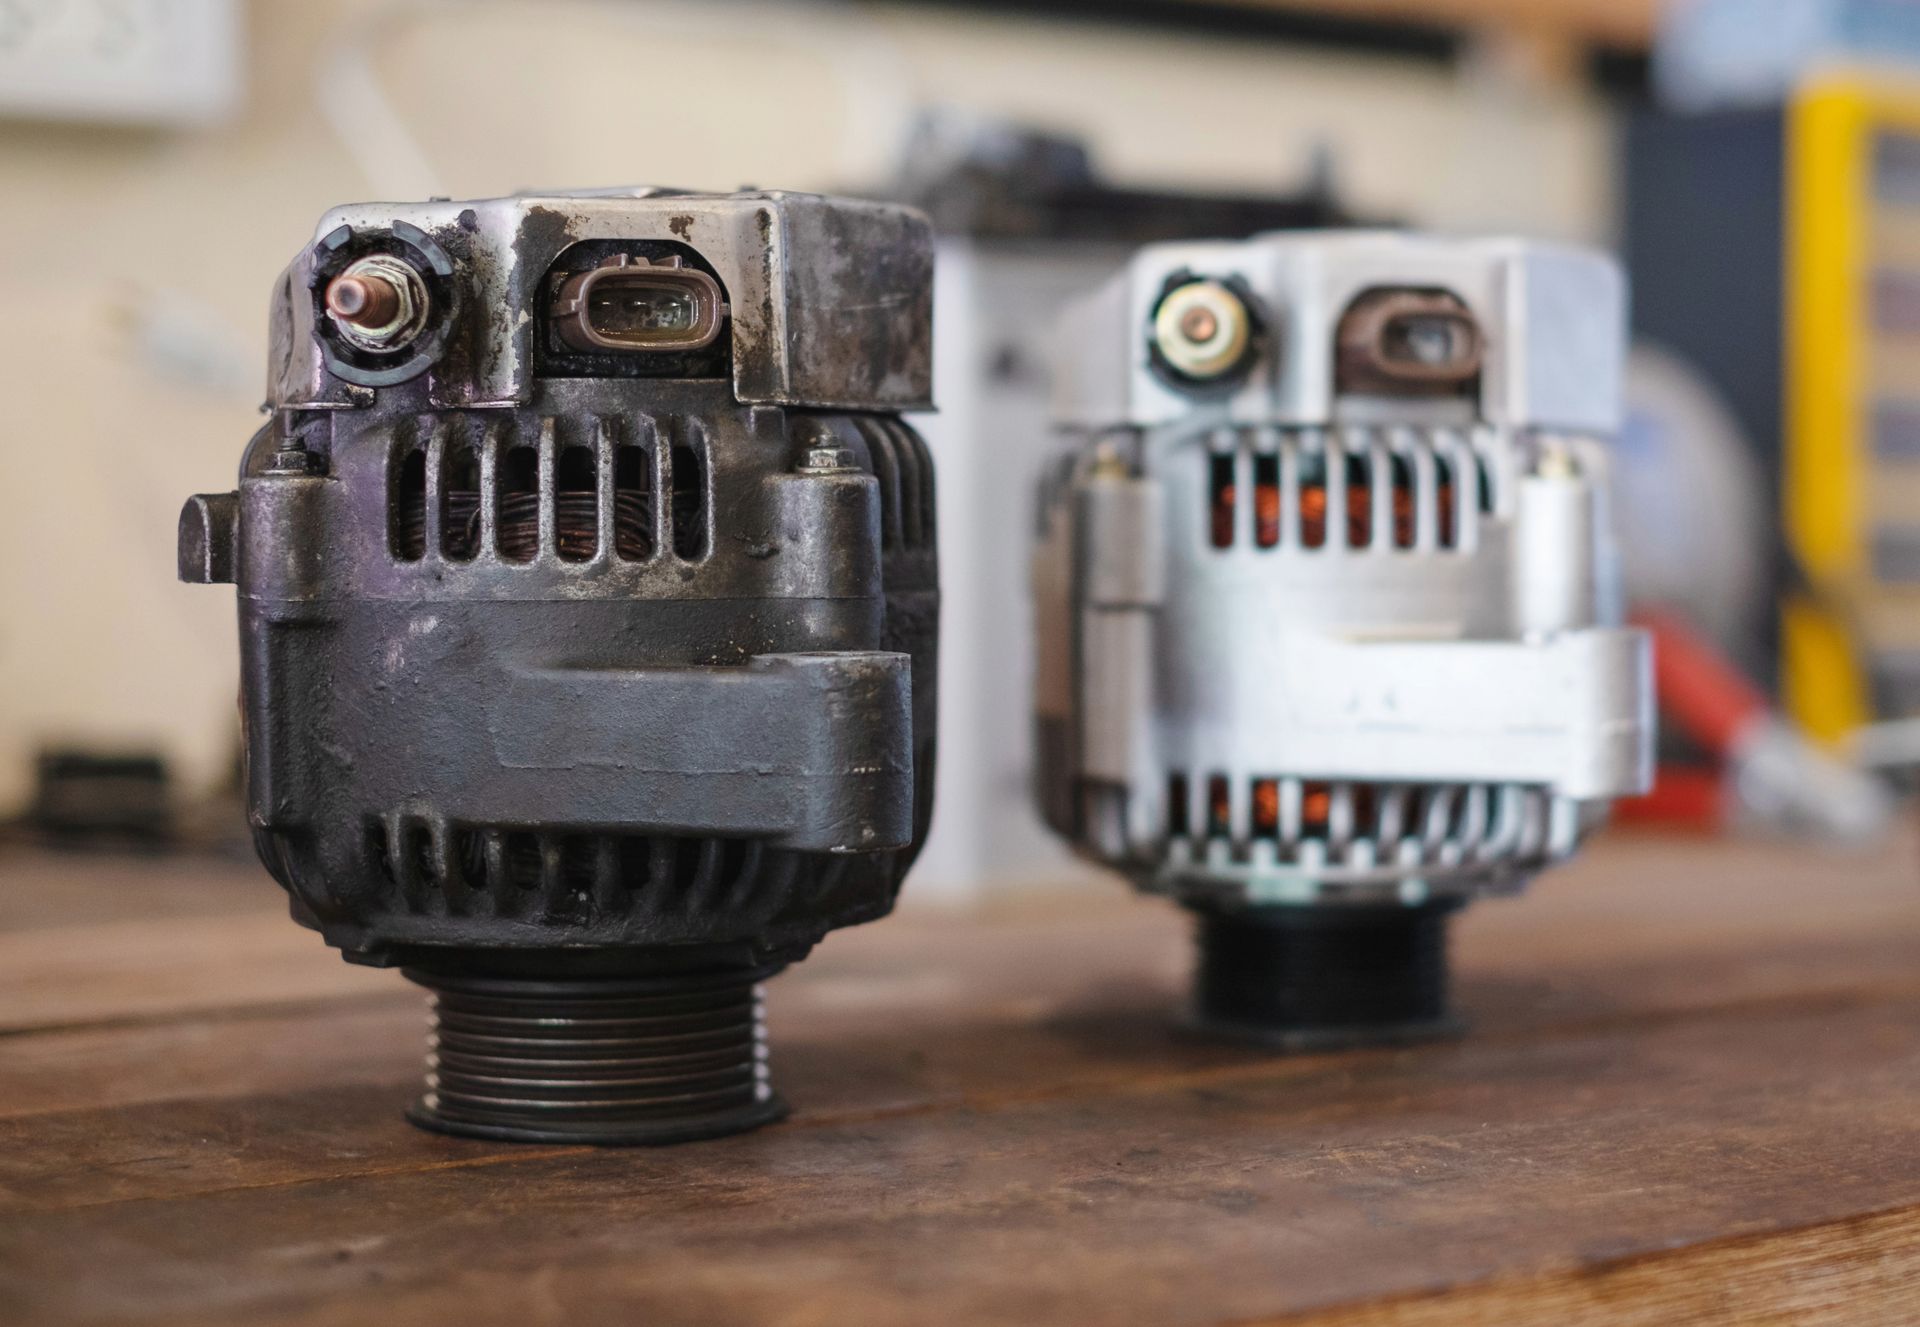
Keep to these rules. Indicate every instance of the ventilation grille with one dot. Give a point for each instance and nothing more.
(444, 868)
(577, 490)
(904, 469)
(1399, 488)
(1355, 824)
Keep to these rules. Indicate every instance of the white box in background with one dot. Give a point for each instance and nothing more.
(161, 62)
(995, 308)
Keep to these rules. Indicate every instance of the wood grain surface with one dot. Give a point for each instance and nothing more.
(1689, 1094)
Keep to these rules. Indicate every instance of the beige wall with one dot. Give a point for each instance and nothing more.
(109, 238)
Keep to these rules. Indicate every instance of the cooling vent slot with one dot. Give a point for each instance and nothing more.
(516, 504)
(633, 536)
(1356, 488)
(466, 490)
(576, 505)
(407, 504)
(460, 500)
(441, 867)
(1356, 823)
(687, 475)
(903, 468)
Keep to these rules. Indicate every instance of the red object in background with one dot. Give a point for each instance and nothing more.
(1704, 696)
(1764, 771)
(1682, 797)
(1709, 699)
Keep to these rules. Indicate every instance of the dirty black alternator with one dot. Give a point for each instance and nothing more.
(588, 609)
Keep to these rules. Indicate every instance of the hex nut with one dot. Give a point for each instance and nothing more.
(1203, 330)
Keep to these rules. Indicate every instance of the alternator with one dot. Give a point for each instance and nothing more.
(1327, 616)
(588, 608)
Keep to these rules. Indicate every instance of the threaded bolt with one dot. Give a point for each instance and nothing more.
(378, 303)
(366, 301)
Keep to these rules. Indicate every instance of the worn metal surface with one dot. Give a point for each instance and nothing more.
(569, 664)
(831, 299)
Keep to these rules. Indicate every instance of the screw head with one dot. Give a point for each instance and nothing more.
(293, 461)
(822, 459)
(1556, 460)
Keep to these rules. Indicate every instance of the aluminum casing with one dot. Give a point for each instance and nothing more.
(1459, 710)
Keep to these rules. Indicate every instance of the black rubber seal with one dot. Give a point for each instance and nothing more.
(382, 368)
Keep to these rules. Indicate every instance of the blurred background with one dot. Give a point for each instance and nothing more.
(1755, 164)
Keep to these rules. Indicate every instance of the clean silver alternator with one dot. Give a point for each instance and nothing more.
(1328, 619)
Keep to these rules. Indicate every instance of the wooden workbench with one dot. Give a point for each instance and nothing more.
(1691, 1094)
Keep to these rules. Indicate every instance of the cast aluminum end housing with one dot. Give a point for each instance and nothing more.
(1334, 632)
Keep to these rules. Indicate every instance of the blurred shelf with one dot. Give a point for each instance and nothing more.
(1623, 24)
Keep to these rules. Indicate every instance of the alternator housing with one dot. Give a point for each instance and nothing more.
(606, 663)
(1339, 626)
